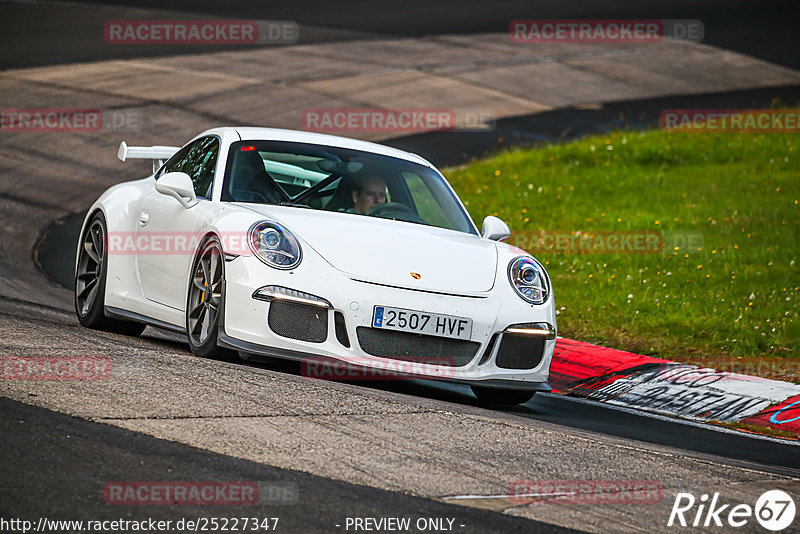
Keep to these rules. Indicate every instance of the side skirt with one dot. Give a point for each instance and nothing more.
(119, 313)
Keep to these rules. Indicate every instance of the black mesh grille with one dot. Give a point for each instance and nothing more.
(298, 321)
(412, 347)
(520, 352)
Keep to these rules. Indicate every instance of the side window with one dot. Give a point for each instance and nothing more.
(199, 161)
(174, 163)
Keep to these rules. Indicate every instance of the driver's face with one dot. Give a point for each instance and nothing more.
(373, 192)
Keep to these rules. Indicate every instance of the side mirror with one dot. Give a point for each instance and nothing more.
(178, 185)
(495, 229)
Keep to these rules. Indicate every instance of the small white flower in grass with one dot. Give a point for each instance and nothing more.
(752, 296)
(630, 295)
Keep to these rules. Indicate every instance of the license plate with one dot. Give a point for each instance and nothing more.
(433, 324)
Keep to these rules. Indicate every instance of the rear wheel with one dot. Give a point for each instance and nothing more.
(204, 301)
(502, 396)
(90, 282)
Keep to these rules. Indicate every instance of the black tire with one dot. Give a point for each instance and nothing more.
(204, 301)
(90, 282)
(502, 396)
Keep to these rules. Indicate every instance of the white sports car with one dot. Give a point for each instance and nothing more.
(298, 245)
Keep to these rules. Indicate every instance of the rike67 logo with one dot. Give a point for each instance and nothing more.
(774, 510)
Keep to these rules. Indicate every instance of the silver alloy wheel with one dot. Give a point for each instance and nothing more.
(90, 267)
(205, 293)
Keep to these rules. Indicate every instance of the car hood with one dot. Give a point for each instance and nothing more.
(387, 252)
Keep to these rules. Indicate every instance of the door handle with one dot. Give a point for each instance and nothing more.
(144, 218)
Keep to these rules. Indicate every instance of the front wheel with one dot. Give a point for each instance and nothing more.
(204, 301)
(502, 396)
(90, 282)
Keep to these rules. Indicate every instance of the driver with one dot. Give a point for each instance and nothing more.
(367, 193)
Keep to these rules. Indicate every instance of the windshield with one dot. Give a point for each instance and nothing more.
(339, 179)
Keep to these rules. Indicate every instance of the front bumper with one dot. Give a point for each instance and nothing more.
(245, 325)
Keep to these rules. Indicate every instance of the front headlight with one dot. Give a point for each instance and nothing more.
(274, 245)
(529, 279)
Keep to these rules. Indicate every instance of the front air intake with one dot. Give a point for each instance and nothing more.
(298, 321)
(520, 352)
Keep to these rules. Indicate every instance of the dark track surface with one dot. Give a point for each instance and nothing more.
(73, 32)
(61, 464)
(737, 449)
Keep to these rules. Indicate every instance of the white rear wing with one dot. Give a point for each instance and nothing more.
(159, 154)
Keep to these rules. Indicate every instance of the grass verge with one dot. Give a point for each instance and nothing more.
(713, 279)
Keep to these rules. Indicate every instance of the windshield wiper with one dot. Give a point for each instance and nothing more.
(295, 205)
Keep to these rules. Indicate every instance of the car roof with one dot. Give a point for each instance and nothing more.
(249, 133)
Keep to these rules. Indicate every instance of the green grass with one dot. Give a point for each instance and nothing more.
(736, 296)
